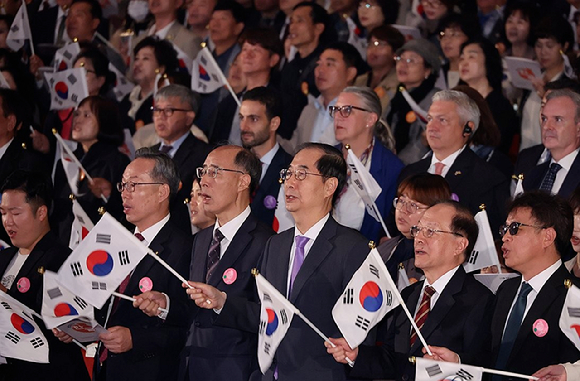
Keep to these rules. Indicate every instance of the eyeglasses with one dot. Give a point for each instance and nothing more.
(213, 171)
(345, 111)
(299, 174)
(432, 3)
(428, 232)
(377, 43)
(514, 227)
(168, 111)
(409, 206)
(452, 34)
(130, 186)
(366, 5)
(408, 61)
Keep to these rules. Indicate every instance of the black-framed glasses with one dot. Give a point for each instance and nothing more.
(514, 227)
(299, 174)
(345, 110)
(213, 171)
(428, 232)
(167, 111)
(408, 61)
(408, 206)
(130, 186)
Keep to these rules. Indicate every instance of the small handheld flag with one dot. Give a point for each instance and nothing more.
(484, 253)
(67, 88)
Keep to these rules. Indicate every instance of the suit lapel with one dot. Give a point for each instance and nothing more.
(572, 179)
(456, 174)
(403, 323)
(280, 261)
(198, 266)
(504, 304)
(534, 178)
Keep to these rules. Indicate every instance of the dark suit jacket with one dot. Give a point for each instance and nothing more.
(190, 155)
(459, 321)
(531, 352)
(332, 260)
(218, 353)
(156, 344)
(475, 182)
(66, 361)
(534, 174)
(270, 186)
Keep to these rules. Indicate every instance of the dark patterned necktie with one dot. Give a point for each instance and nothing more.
(550, 177)
(213, 255)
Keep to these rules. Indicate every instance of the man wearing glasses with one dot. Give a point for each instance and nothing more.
(222, 259)
(450, 307)
(175, 109)
(525, 334)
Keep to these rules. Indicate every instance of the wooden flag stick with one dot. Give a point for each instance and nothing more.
(123, 296)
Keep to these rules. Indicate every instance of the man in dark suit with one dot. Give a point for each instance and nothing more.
(173, 114)
(26, 199)
(135, 345)
(260, 115)
(554, 165)
(222, 258)
(525, 334)
(457, 307)
(330, 254)
(453, 120)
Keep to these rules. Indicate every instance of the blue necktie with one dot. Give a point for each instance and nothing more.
(550, 177)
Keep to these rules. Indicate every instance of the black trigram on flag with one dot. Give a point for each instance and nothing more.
(72, 79)
(267, 348)
(67, 55)
(473, 257)
(203, 61)
(263, 324)
(574, 312)
(12, 337)
(124, 257)
(267, 298)
(283, 316)
(104, 238)
(5, 305)
(215, 77)
(81, 303)
(433, 370)
(374, 270)
(389, 298)
(74, 97)
(99, 286)
(54, 293)
(348, 296)
(37, 342)
(14, 28)
(362, 323)
(76, 268)
(81, 220)
(463, 375)
(353, 167)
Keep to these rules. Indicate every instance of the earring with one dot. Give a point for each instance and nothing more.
(157, 71)
(561, 52)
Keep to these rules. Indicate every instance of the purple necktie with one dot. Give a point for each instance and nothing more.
(301, 241)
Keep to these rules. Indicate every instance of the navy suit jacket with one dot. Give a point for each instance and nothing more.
(156, 344)
(230, 353)
(530, 351)
(332, 260)
(190, 155)
(475, 182)
(534, 174)
(270, 186)
(66, 361)
(459, 321)
(385, 169)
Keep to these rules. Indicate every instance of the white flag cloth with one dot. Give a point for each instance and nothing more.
(185, 61)
(364, 184)
(65, 56)
(81, 225)
(422, 114)
(283, 219)
(71, 169)
(367, 298)
(122, 85)
(276, 314)
(356, 39)
(59, 305)
(430, 370)
(570, 317)
(402, 279)
(3, 83)
(519, 187)
(20, 336)
(101, 261)
(484, 253)
(19, 30)
(67, 88)
(206, 76)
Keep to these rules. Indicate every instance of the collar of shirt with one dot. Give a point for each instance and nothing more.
(230, 229)
(5, 147)
(161, 33)
(448, 161)
(545, 156)
(175, 145)
(439, 285)
(151, 232)
(566, 163)
(267, 159)
(319, 104)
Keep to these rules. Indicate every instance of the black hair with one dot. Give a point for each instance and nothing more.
(100, 64)
(492, 60)
(238, 11)
(268, 97)
(463, 223)
(108, 118)
(96, 10)
(250, 164)
(165, 54)
(36, 186)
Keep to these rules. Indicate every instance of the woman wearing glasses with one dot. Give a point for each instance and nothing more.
(97, 129)
(357, 124)
(417, 67)
(414, 195)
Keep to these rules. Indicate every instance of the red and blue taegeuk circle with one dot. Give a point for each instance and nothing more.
(64, 309)
(272, 324)
(61, 90)
(371, 297)
(203, 73)
(100, 263)
(21, 325)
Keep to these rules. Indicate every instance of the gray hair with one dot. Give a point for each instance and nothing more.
(467, 109)
(164, 170)
(372, 102)
(184, 94)
(573, 96)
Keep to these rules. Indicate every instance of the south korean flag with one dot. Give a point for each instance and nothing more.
(368, 297)
(67, 88)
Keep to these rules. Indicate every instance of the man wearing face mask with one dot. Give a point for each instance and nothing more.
(138, 16)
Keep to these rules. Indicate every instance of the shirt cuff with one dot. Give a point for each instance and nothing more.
(163, 314)
(218, 311)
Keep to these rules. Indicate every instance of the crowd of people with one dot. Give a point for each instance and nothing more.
(259, 174)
